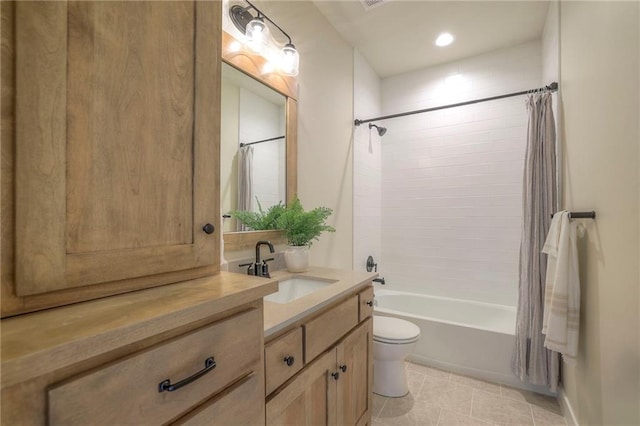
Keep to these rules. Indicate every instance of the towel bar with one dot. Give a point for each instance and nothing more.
(581, 215)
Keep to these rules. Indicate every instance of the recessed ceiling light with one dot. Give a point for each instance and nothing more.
(444, 39)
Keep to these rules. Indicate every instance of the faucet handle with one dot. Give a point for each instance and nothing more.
(265, 267)
(371, 264)
(249, 269)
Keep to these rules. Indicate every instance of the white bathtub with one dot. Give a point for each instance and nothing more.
(471, 338)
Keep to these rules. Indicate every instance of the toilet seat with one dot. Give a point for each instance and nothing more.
(394, 330)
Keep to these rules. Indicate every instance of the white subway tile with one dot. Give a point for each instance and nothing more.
(451, 180)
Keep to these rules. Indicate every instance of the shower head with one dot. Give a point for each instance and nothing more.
(381, 130)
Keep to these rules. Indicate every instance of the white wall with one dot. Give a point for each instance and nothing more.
(325, 111)
(550, 45)
(367, 168)
(599, 57)
(452, 179)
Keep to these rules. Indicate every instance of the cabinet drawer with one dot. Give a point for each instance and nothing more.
(242, 404)
(365, 299)
(127, 391)
(324, 330)
(279, 354)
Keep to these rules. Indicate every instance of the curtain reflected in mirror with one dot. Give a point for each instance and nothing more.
(253, 148)
(245, 182)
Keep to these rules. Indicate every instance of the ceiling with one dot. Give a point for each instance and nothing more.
(397, 36)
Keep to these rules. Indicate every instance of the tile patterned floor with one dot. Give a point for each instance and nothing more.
(442, 398)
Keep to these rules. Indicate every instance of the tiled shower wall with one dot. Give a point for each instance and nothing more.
(451, 179)
(367, 167)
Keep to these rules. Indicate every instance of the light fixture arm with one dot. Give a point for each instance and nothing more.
(261, 13)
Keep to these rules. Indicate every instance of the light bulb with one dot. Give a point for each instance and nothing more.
(289, 60)
(257, 35)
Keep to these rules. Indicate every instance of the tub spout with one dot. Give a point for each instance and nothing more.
(380, 280)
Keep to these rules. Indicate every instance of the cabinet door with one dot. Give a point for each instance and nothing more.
(242, 405)
(310, 399)
(355, 360)
(117, 136)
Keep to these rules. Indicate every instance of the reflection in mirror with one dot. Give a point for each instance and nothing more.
(253, 146)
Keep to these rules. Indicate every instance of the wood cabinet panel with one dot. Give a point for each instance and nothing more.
(117, 128)
(130, 113)
(354, 358)
(324, 330)
(365, 300)
(282, 359)
(128, 390)
(242, 404)
(309, 399)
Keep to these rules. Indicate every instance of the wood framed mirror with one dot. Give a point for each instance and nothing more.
(281, 86)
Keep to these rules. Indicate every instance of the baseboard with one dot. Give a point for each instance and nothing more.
(565, 407)
(491, 376)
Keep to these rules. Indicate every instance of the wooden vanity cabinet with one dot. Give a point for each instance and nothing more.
(191, 353)
(115, 134)
(110, 184)
(334, 387)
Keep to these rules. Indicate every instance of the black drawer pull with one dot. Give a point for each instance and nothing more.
(165, 385)
(370, 303)
(289, 360)
(335, 375)
(343, 368)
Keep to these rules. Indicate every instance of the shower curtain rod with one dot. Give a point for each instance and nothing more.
(263, 140)
(551, 87)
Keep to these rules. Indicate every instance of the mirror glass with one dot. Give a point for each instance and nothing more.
(252, 146)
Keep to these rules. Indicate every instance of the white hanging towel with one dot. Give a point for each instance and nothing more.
(561, 316)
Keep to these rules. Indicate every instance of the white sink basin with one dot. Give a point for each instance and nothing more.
(295, 288)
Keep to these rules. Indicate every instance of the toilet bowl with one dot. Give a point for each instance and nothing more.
(393, 340)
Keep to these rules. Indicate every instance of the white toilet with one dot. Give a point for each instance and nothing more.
(393, 340)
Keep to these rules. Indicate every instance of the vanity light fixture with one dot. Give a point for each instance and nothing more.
(259, 37)
(257, 34)
(444, 39)
(290, 60)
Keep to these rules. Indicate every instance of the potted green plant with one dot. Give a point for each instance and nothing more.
(301, 228)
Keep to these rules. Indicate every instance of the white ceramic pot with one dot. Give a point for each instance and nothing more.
(297, 258)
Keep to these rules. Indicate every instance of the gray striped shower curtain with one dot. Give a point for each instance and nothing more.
(531, 361)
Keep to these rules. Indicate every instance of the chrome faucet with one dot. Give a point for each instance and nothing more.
(262, 269)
